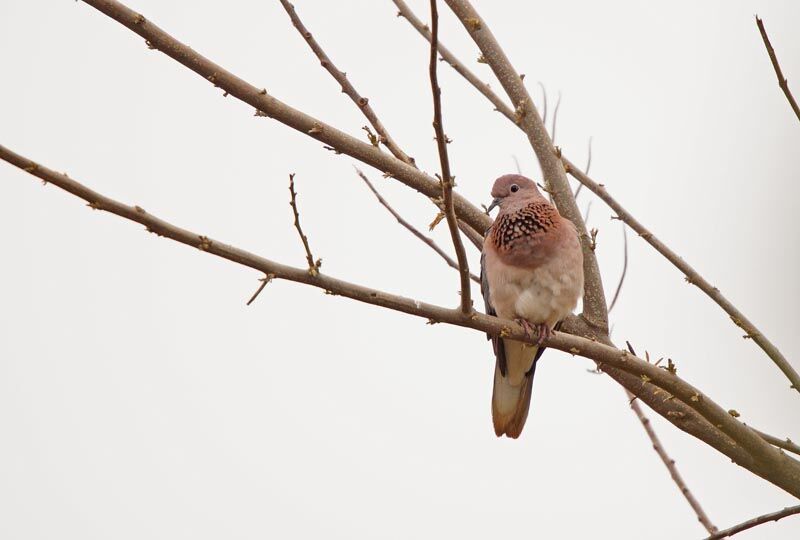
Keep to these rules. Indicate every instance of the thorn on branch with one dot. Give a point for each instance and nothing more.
(438, 219)
(373, 139)
(266, 279)
(593, 234)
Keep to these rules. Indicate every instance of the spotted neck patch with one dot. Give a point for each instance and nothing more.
(529, 221)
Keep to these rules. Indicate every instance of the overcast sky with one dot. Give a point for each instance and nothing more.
(141, 398)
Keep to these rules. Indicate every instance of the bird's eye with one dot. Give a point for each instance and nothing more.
(514, 188)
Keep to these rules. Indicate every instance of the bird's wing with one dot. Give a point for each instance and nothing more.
(497, 343)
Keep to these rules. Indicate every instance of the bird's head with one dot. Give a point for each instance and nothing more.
(512, 187)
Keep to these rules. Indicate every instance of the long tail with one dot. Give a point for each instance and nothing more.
(511, 393)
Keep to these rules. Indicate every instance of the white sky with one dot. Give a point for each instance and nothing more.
(141, 398)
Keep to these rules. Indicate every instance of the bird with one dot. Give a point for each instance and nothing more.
(531, 272)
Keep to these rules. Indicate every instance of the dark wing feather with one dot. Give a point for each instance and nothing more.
(497, 343)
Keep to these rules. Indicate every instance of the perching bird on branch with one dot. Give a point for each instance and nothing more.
(532, 272)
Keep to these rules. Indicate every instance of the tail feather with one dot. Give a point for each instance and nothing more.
(511, 392)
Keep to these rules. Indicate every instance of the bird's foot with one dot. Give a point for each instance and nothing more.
(544, 332)
(526, 326)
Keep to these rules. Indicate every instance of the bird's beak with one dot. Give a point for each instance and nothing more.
(495, 202)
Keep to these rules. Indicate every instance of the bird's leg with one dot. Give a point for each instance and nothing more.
(544, 332)
(526, 326)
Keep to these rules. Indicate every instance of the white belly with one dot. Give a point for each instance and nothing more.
(546, 294)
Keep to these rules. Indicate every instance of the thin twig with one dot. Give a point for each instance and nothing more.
(669, 463)
(555, 118)
(691, 411)
(786, 444)
(413, 230)
(313, 266)
(264, 281)
(444, 161)
(404, 11)
(774, 59)
(347, 86)
(624, 268)
(691, 275)
(766, 518)
(586, 170)
(544, 102)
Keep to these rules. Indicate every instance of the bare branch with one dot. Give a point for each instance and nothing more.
(766, 518)
(444, 161)
(738, 318)
(624, 268)
(774, 59)
(413, 230)
(347, 86)
(702, 517)
(313, 266)
(269, 106)
(527, 118)
(482, 87)
(672, 397)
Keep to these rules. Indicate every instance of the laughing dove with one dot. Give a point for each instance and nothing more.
(532, 272)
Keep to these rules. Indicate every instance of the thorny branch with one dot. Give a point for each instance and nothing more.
(678, 401)
(774, 59)
(702, 517)
(313, 266)
(444, 161)
(766, 518)
(413, 230)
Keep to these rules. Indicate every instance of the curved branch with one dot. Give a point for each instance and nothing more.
(679, 399)
(766, 518)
